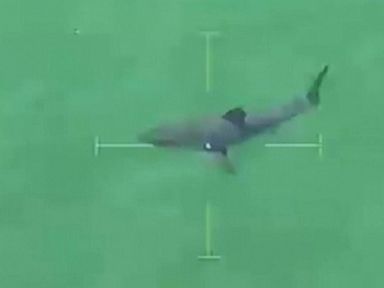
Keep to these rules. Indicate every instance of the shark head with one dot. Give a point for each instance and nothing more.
(158, 137)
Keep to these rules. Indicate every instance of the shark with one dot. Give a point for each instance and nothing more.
(216, 134)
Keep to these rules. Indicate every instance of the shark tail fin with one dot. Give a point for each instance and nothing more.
(313, 94)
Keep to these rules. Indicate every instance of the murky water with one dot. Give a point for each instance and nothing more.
(74, 70)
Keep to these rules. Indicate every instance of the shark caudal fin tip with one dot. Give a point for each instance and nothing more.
(324, 71)
(313, 94)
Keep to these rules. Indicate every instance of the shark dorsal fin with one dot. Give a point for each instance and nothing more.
(236, 116)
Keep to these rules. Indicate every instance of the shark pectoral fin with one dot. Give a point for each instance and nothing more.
(224, 162)
(220, 156)
(236, 116)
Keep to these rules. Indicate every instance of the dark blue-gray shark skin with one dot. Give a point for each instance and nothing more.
(216, 134)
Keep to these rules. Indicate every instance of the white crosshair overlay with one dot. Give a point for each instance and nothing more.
(318, 145)
(209, 255)
(208, 71)
(98, 145)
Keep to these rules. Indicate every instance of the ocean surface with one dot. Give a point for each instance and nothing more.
(76, 75)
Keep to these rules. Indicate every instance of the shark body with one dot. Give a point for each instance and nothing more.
(216, 134)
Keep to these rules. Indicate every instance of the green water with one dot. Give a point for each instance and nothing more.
(73, 70)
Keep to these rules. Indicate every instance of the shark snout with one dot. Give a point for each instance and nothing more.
(145, 138)
(155, 137)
